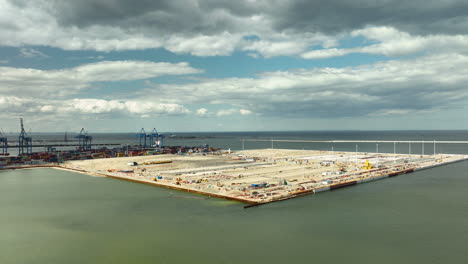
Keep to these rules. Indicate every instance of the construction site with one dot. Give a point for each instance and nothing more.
(251, 176)
(260, 176)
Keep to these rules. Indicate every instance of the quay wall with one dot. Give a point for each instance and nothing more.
(354, 182)
(249, 202)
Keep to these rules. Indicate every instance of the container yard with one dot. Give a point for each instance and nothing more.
(260, 176)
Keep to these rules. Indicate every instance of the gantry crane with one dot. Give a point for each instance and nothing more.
(142, 138)
(84, 140)
(24, 142)
(3, 144)
(153, 139)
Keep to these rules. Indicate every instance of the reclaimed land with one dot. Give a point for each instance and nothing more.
(260, 176)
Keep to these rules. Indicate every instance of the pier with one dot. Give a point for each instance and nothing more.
(263, 175)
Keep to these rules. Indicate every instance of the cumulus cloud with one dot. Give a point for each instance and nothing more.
(67, 81)
(129, 70)
(392, 42)
(90, 106)
(325, 53)
(233, 111)
(218, 28)
(413, 86)
(201, 112)
(223, 112)
(285, 44)
(202, 45)
(416, 85)
(419, 84)
(245, 112)
(435, 31)
(151, 107)
(13, 103)
(226, 112)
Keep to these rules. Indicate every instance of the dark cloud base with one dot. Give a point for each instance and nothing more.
(326, 16)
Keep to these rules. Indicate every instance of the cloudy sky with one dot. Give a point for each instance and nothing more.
(215, 65)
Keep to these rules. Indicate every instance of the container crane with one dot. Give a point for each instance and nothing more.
(3, 144)
(161, 140)
(84, 140)
(142, 138)
(153, 138)
(24, 142)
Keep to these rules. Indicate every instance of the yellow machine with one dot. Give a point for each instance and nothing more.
(368, 166)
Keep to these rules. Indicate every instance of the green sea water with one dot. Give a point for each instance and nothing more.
(53, 216)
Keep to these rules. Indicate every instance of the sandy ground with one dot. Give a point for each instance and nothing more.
(260, 175)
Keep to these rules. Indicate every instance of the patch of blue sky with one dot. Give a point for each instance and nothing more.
(126, 90)
(356, 42)
(237, 65)
(283, 63)
(6, 54)
(241, 65)
(251, 37)
(54, 59)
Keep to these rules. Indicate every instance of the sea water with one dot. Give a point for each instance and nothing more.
(54, 216)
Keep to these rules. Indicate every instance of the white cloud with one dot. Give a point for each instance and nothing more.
(245, 112)
(9, 103)
(392, 42)
(129, 70)
(201, 45)
(226, 112)
(201, 112)
(324, 53)
(90, 106)
(233, 111)
(273, 44)
(405, 87)
(416, 84)
(151, 107)
(272, 48)
(67, 81)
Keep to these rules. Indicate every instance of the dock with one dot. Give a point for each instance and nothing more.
(257, 177)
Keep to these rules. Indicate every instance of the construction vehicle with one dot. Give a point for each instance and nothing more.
(368, 166)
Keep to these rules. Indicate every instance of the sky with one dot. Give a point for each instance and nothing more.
(246, 65)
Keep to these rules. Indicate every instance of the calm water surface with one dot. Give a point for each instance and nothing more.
(52, 216)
